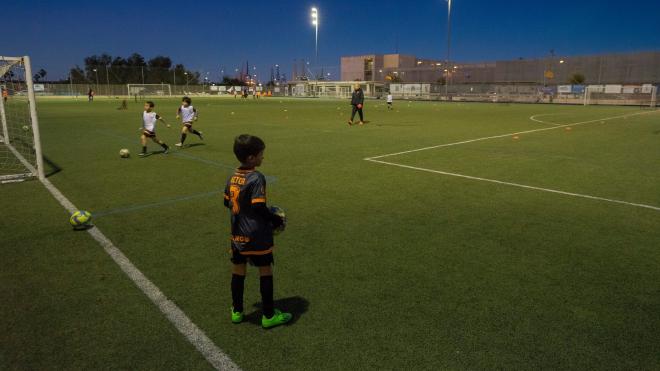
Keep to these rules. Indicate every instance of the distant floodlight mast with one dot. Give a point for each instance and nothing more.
(448, 47)
(315, 23)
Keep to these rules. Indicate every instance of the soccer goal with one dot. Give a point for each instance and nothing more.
(20, 146)
(149, 90)
(624, 95)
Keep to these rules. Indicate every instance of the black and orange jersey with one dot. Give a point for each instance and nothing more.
(251, 233)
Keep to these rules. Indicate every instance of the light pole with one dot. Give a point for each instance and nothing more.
(448, 47)
(96, 72)
(315, 23)
(107, 79)
(186, 75)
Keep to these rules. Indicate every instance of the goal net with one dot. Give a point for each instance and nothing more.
(20, 147)
(149, 90)
(624, 95)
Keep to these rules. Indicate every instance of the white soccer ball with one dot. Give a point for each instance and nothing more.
(124, 153)
(26, 128)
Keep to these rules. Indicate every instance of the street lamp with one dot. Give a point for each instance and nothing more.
(315, 23)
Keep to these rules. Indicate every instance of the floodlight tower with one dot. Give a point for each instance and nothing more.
(315, 23)
(448, 48)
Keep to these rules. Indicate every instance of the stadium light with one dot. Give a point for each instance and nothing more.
(561, 61)
(448, 45)
(315, 23)
(96, 72)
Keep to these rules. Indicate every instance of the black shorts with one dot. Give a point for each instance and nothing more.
(188, 124)
(255, 260)
(149, 134)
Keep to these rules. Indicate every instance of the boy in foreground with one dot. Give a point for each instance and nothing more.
(188, 115)
(149, 118)
(252, 226)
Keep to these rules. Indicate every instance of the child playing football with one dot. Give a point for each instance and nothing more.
(149, 118)
(390, 99)
(188, 114)
(252, 225)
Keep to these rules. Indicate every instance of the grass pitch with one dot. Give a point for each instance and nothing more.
(393, 265)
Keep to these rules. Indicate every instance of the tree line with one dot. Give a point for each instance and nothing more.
(134, 69)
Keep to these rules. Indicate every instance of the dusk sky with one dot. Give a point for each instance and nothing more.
(210, 35)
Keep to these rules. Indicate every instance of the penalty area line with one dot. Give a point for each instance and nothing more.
(195, 336)
(508, 135)
(549, 190)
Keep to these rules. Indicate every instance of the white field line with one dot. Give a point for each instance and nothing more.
(507, 135)
(216, 357)
(534, 118)
(651, 207)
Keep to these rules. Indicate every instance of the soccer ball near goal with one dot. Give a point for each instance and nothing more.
(124, 153)
(279, 212)
(26, 128)
(81, 220)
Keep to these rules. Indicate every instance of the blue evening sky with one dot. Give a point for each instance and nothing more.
(210, 35)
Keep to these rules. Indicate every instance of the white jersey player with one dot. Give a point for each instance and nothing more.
(149, 118)
(188, 114)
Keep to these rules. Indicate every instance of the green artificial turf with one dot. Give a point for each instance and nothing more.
(384, 267)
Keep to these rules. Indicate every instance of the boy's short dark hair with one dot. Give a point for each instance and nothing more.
(246, 145)
(187, 100)
(150, 103)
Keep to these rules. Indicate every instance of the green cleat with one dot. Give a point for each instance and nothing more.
(236, 317)
(277, 319)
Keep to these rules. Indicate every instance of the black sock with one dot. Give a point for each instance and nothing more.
(144, 149)
(237, 288)
(196, 132)
(267, 295)
(183, 137)
(165, 147)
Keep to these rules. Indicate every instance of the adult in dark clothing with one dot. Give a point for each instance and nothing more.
(357, 101)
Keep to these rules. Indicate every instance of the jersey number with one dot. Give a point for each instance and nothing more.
(234, 192)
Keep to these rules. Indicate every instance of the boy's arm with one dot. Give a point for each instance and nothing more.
(195, 114)
(178, 112)
(161, 119)
(258, 197)
(226, 197)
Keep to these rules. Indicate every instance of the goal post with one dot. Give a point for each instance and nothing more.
(625, 95)
(149, 90)
(20, 144)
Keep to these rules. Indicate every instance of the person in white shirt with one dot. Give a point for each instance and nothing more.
(149, 118)
(188, 114)
(390, 99)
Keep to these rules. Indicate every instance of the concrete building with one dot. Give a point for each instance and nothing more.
(623, 68)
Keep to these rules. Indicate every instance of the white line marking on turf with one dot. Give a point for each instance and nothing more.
(507, 135)
(216, 357)
(534, 118)
(656, 208)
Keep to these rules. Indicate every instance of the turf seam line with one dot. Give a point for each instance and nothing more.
(506, 135)
(121, 210)
(651, 207)
(195, 336)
